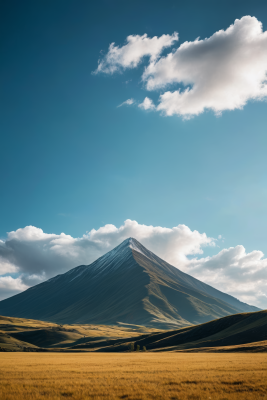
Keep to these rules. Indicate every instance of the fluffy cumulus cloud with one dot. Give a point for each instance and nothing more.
(241, 274)
(10, 286)
(29, 256)
(222, 72)
(130, 55)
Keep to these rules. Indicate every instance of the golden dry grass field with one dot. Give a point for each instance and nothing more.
(28, 376)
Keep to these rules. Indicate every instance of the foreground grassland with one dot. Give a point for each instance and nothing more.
(133, 376)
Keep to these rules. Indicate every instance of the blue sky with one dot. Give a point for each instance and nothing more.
(72, 160)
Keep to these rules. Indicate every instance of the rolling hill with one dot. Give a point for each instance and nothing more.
(246, 332)
(239, 332)
(129, 284)
(20, 334)
(234, 332)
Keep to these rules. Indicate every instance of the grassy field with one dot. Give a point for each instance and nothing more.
(132, 376)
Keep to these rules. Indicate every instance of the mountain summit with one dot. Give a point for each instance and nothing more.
(130, 285)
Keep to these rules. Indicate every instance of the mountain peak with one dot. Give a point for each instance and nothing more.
(131, 243)
(129, 240)
(135, 245)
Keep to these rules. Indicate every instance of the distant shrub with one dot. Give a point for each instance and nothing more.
(131, 346)
(144, 348)
(137, 347)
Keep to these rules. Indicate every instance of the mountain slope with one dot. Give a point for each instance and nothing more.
(129, 284)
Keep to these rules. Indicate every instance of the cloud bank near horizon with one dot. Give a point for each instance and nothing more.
(222, 72)
(29, 256)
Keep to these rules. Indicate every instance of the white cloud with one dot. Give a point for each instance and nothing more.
(130, 55)
(241, 274)
(37, 256)
(222, 72)
(128, 102)
(6, 266)
(10, 286)
(147, 104)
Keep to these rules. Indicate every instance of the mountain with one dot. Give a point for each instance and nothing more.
(129, 284)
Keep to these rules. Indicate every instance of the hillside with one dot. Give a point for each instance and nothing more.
(20, 334)
(246, 332)
(235, 330)
(130, 285)
(240, 332)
